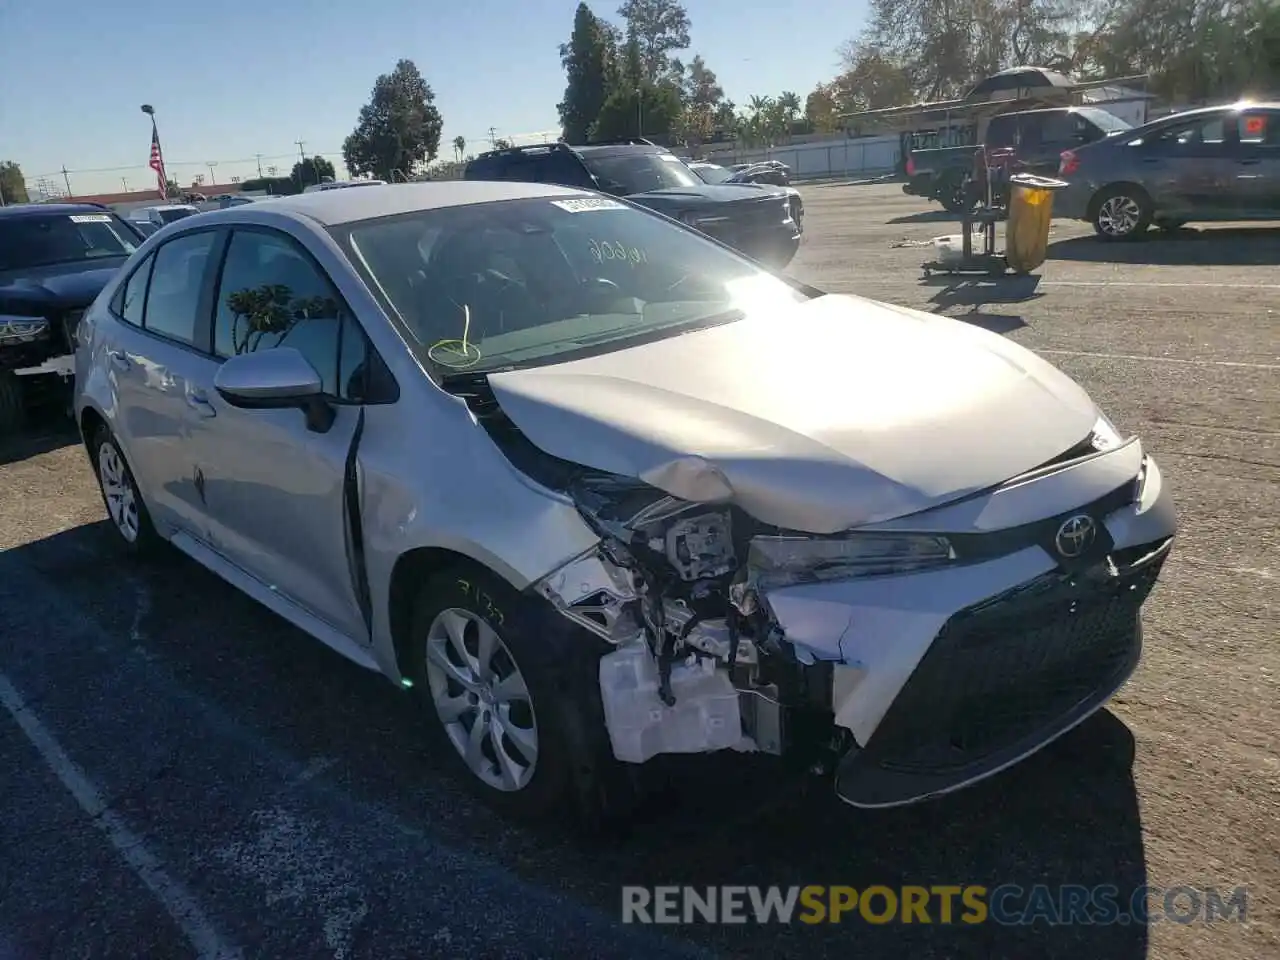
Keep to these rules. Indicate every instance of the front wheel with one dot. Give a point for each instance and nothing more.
(507, 692)
(1121, 213)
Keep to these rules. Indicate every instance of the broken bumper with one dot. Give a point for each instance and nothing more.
(945, 677)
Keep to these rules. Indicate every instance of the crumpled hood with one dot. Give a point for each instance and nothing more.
(58, 287)
(837, 412)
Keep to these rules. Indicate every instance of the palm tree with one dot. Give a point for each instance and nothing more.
(459, 146)
(790, 104)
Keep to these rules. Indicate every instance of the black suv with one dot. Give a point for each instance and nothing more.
(757, 219)
(55, 258)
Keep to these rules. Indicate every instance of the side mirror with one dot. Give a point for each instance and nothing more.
(278, 378)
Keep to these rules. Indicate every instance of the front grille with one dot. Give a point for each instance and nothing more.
(1004, 674)
(758, 213)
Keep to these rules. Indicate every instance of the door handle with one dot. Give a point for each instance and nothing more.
(198, 400)
(119, 359)
(1248, 163)
(1152, 161)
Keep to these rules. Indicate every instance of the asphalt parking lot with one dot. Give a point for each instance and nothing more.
(186, 775)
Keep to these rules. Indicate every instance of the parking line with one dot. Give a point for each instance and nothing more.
(1157, 283)
(177, 901)
(1182, 360)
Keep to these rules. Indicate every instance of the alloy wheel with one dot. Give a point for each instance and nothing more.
(1119, 216)
(482, 699)
(118, 491)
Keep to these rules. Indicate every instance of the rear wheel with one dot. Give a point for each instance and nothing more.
(954, 195)
(13, 410)
(125, 509)
(1121, 213)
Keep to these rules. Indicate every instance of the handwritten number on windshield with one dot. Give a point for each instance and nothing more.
(602, 250)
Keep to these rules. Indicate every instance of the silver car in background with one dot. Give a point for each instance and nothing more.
(595, 488)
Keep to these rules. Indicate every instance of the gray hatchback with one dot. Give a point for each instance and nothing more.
(1215, 164)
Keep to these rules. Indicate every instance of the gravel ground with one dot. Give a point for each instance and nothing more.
(186, 775)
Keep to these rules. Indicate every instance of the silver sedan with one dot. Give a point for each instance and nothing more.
(593, 488)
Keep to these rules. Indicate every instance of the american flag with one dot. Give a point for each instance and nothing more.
(157, 162)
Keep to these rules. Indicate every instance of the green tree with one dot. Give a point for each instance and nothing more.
(399, 127)
(659, 29)
(459, 146)
(502, 144)
(702, 96)
(587, 60)
(13, 188)
(645, 111)
(312, 170)
(820, 108)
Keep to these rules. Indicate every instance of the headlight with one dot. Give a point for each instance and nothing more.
(1105, 436)
(22, 329)
(776, 561)
(701, 220)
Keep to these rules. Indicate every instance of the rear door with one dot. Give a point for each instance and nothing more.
(156, 368)
(1188, 168)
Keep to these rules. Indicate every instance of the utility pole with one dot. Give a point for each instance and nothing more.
(212, 179)
(258, 157)
(124, 182)
(302, 154)
(66, 179)
(493, 140)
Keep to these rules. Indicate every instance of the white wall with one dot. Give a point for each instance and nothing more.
(834, 157)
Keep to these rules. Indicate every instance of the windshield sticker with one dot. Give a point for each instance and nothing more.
(454, 353)
(588, 203)
(602, 250)
(91, 218)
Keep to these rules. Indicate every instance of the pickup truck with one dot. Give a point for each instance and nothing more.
(1037, 138)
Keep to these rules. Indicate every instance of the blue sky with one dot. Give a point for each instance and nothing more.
(230, 79)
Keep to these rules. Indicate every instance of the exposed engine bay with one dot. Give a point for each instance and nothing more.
(676, 586)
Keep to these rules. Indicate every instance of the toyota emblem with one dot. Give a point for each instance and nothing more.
(1075, 536)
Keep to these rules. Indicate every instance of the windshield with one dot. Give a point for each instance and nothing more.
(713, 173)
(1106, 122)
(41, 241)
(525, 282)
(168, 216)
(635, 172)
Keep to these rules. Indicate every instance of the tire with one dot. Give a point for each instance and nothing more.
(126, 513)
(551, 752)
(1121, 213)
(953, 194)
(13, 408)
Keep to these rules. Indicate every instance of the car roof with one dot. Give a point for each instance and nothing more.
(334, 207)
(35, 209)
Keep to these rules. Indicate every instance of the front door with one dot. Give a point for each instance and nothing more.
(1256, 164)
(274, 489)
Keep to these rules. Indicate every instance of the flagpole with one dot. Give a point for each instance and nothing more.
(163, 172)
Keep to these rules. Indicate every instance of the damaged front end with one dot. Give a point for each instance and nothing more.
(700, 664)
